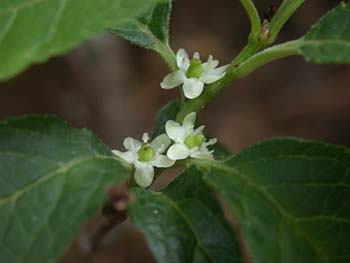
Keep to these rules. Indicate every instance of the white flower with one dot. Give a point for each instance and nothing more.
(144, 156)
(193, 74)
(189, 142)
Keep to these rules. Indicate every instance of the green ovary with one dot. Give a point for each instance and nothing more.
(146, 153)
(195, 140)
(195, 70)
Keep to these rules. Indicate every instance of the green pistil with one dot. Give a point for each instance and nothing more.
(145, 153)
(196, 69)
(195, 140)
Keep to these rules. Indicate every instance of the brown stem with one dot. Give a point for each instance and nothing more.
(113, 213)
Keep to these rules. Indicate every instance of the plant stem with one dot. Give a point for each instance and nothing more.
(113, 213)
(208, 94)
(249, 59)
(253, 44)
(237, 72)
(253, 17)
(250, 49)
(276, 52)
(168, 55)
(285, 11)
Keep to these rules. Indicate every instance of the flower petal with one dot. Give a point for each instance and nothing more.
(212, 75)
(178, 151)
(211, 141)
(210, 78)
(144, 174)
(182, 59)
(189, 121)
(173, 80)
(203, 153)
(210, 64)
(128, 156)
(220, 70)
(192, 88)
(175, 131)
(199, 129)
(162, 161)
(160, 143)
(132, 144)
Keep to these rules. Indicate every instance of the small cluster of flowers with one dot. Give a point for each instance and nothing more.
(181, 141)
(184, 140)
(193, 74)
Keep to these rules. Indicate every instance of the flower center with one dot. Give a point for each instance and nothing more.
(145, 153)
(195, 69)
(195, 140)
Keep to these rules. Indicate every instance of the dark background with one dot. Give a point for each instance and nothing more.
(112, 88)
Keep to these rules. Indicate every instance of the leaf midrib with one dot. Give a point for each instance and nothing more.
(149, 32)
(60, 170)
(183, 215)
(284, 213)
(20, 7)
(319, 42)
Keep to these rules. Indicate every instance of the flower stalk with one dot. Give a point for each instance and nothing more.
(285, 11)
(254, 18)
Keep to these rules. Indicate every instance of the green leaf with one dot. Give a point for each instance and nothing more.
(291, 199)
(33, 31)
(329, 39)
(52, 178)
(151, 31)
(184, 222)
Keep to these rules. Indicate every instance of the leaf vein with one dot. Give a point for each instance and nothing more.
(8, 26)
(63, 169)
(198, 241)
